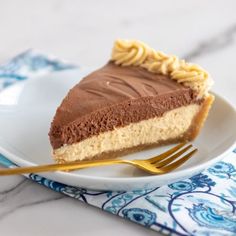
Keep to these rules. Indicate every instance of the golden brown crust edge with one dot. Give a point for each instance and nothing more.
(190, 135)
(200, 118)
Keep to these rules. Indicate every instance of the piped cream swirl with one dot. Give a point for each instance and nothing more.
(127, 53)
(136, 53)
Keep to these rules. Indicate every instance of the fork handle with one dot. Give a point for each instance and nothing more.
(57, 167)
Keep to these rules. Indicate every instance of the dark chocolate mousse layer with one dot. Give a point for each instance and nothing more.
(115, 96)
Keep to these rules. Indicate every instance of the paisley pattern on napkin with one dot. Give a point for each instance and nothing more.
(204, 204)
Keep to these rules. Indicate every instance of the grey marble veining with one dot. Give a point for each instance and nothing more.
(218, 42)
(15, 198)
(83, 31)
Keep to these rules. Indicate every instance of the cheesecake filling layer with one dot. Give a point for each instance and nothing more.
(172, 125)
(115, 97)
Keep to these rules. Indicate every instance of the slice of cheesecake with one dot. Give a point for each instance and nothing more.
(141, 98)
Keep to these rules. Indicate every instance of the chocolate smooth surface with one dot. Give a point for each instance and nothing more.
(115, 96)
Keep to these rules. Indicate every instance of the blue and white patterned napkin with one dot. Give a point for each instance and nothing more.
(204, 204)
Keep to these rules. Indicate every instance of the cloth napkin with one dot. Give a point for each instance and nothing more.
(204, 204)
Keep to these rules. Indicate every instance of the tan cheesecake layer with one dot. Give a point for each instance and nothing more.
(183, 123)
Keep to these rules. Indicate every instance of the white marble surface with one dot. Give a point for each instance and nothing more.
(83, 32)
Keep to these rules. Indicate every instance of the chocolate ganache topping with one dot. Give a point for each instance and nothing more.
(115, 96)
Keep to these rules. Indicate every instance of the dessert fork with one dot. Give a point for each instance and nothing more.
(159, 164)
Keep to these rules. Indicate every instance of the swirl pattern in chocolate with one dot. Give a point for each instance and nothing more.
(136, 53)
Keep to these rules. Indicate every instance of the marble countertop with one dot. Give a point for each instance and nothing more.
(83, 31)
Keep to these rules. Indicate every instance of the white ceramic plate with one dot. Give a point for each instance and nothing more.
(26, 111)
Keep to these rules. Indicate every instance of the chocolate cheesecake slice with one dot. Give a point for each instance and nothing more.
(130, 104)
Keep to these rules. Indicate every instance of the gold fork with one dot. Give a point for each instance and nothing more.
(160, 164)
